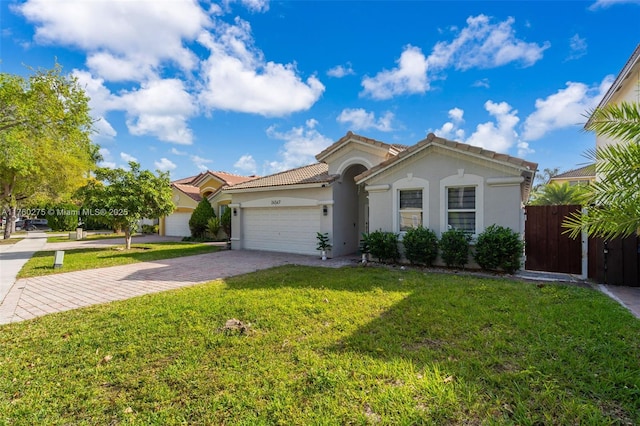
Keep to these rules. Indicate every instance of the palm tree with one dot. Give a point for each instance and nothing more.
(556, 194)
(616, 193)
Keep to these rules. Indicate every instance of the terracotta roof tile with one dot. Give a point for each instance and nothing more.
(190, 190)
(352, 136)
(313, 173)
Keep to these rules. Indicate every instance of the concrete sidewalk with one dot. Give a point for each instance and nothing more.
(14, 256)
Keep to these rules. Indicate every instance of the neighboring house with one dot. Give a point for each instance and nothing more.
(188, 192)
(626, 87)
(582, 176)
(361, 185)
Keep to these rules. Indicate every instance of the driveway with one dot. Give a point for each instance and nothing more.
(33, 297)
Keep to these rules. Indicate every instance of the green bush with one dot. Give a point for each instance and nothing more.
(225, 222)
(499, 248)
(64, 217)
(213, 227)
(150, 229)
(200, 217)
(454, 247)
(420, 245)
(383, 245)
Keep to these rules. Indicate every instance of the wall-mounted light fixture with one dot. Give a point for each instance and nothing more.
(235, 211)
(325, 210)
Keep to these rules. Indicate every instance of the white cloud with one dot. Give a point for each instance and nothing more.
(160, 108)
(484, 82)
(451, 129)
(238, 78)
(100, 101)
(363, 120)
(164, 165)
(127, 157)
(603, 4)
(247, 164)
(500, 135)
(482, 44)
(301, 145)
(409, 77)
(567, 107)
(201, 163)
(107, 159)
(578, 47)
(340, 71)
(174, 151)
(124, 39)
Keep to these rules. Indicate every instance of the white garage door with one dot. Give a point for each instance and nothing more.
(288, 230)
(177, 225)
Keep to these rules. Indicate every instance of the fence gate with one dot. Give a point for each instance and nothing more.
(546, 247)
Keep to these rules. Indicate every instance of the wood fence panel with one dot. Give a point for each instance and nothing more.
(546, 247)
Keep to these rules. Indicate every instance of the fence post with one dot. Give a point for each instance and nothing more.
(585, 251)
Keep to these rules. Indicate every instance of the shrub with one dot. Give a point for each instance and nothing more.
(64, 218)
(454, 247)
(420, 245)
(150, 229)
(225, 222)
(213, 226)
(199, 218)
(383, 245)
(499, 248)
(323, 241)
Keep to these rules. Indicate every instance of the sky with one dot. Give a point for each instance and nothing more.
(258, 86)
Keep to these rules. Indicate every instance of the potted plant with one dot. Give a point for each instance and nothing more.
(323, 244)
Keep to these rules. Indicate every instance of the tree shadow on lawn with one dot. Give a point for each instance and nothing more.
(533, 347)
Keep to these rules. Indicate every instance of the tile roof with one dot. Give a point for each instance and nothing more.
(432, 139)
(190, 190)
(313, 173)
(226, 178)
(588, 171)
(352, 136)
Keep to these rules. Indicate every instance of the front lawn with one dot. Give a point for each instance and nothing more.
(324, 346)
(91, 258)
(66, 239)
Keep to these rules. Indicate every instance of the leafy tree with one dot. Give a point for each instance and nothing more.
(554, 194)
(200, 218)
(225, 222)
(616, 194)
(45, 147)
(544, 177)
(120, 198)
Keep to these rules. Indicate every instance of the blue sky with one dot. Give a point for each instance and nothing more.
(258, 86)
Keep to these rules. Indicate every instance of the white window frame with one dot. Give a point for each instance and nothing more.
(419, 210)
(456, 181)
(409, 183)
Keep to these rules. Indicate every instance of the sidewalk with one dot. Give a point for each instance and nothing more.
(14, 256)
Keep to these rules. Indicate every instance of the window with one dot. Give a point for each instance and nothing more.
(221, 209)
(410, 209)
(461, 208)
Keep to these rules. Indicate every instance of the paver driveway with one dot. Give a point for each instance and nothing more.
(33, 297)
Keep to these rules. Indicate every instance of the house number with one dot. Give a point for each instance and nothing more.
(275, 202)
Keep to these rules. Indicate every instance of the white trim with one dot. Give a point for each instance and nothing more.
(359, 161)
(505, 181)
(277, 187)
(377, 188)
(277, 202)
(408, 183)
(458, 181)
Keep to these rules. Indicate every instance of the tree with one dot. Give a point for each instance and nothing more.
(554, 194)
(200, 218)
(45, 147)
(616, 192)
(120, 198)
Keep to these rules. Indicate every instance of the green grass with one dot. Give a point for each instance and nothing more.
(325, 347)
(65, 238)
(10, 240)
(91, 258)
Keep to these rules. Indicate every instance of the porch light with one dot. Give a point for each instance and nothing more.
(325, 210)
(235, 211)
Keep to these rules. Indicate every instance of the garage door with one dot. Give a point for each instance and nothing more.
(288, 230)
(177, 225)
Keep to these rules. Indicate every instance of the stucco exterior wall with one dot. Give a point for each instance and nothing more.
(355, 153)
(628, 92)
(497, 201)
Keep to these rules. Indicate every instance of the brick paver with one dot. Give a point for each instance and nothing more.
(34, 297)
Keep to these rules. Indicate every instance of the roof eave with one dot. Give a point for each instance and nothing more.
(232, 190)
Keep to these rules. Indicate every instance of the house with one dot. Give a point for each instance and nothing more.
(580, 176)
(187, 193)
(360, 185)
(625, 88)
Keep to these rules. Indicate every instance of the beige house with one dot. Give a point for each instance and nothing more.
(361, 185)
(625, 88)
(188, 192)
